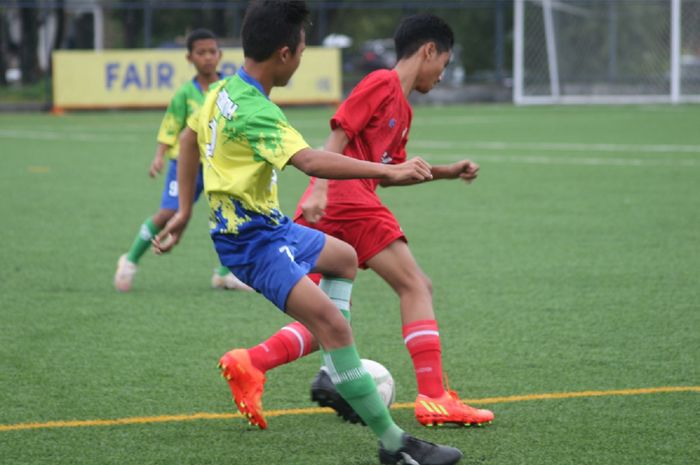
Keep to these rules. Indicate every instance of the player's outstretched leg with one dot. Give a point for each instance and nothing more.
(435, 404)
(318, 312)
(128, 263)
(247, 384)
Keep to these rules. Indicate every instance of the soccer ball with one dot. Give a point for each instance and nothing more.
(382, 378)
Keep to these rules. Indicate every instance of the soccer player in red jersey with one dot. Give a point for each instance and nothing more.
(243, 139)
(373, 124)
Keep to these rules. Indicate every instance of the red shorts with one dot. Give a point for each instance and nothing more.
(368, 235)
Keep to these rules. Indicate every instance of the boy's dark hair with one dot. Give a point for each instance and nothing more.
(269, 25)
(416, 30)
(198, 34)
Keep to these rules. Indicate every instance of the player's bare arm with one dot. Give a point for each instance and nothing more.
(158, 160)
(330, 165)
(464, 169)
(313, 208)
(187, 169)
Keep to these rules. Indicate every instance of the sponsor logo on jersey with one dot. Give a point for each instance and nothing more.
(227, 107)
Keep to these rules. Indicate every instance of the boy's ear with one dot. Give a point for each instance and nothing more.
(285, 53)
(430, 50)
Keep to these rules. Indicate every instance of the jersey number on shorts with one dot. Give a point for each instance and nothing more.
(172, 189)
(286, 249)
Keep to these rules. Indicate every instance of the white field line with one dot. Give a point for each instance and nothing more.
(563, 160)
(418, 122)
(67, 127)
(451, 120)
(466, 146)
(555, 146)
(66, 136)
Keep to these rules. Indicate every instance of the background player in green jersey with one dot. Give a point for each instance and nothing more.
(244, 139)
(204, 53)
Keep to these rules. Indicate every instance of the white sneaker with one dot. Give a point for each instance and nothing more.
(229, 282)
(125, 274)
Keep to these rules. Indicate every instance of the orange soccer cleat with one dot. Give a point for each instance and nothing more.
(247, 384)
(449, 409)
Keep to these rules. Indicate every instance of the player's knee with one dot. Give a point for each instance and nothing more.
(338, 260)
(346, 262)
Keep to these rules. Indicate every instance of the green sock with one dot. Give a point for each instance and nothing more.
(358, 389)
(142, 241)
(223, 271)
(339, 291)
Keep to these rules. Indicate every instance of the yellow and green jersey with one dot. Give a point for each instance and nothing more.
(243, 139)
(186, 101)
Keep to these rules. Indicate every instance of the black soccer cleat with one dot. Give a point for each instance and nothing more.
(418, 452)
(324, 393)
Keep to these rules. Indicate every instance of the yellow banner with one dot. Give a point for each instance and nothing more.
(149, 78)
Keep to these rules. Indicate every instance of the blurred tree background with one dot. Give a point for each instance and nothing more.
(30, 29)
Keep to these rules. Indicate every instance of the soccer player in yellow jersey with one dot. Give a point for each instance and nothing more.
(204, 53)
(244, 139)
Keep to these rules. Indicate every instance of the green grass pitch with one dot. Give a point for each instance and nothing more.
(572, 264)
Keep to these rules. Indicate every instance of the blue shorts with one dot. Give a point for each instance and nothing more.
(271, 259)
(170, 200)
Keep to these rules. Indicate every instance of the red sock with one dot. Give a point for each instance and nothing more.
(422, 340)
(286, 345)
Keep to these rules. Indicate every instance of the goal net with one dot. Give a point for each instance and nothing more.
(606, 51)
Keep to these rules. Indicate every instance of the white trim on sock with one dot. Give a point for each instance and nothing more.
(145, 233)
(338, 290)
(425, 332)
(301, 339)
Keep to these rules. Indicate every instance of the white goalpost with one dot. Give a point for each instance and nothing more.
(606, 51)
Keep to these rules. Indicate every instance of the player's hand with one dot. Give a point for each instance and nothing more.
(416, 169)
(314, 207)
(171, 234)
(466, 170)
(156, 167)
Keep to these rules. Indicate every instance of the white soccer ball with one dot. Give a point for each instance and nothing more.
(383, 380)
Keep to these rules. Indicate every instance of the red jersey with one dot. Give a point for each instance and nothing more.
(376, 117)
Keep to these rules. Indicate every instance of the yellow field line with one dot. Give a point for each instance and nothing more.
(317, 410)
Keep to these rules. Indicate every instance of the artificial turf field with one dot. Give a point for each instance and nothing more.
(571, 265)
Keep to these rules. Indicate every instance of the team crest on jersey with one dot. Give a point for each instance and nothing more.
(227, 107)
(392, 123)
(386, 158)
